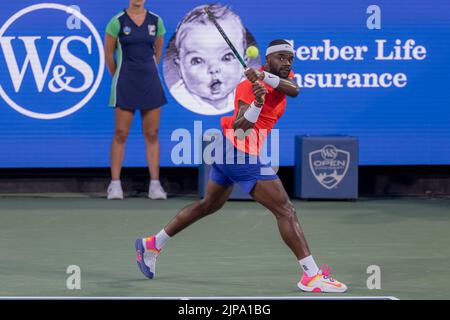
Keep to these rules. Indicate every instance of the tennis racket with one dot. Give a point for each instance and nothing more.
(225, 37)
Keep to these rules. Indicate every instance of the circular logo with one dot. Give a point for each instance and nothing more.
(127, 30)
(329, 152)
(59, 82)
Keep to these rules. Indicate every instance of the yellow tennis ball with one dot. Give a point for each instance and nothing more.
(252, 52)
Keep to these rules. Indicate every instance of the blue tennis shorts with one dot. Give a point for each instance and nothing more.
(236, 166)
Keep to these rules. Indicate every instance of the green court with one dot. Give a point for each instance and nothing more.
(236, 252)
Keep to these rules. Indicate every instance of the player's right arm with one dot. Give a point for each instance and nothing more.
(110, 49)
(287, 86)
(112, 33)
(248, 113)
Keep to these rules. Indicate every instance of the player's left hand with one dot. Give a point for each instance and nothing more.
(253, 75)
(260, 92)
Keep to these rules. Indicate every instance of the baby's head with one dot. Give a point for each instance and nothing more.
(206, 63)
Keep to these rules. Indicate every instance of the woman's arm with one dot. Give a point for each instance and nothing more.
(158, 48)
(110, 49)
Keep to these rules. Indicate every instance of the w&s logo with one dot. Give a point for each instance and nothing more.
(329, 165)
(49, 70)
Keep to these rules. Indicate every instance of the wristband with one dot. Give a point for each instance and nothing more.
(271, 79)
(252, 113)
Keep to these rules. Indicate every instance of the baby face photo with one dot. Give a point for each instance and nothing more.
(207, 64)
(200, 69)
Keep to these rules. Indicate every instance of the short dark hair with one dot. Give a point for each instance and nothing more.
(277, 42)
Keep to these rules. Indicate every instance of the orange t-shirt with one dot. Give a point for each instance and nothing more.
(272, 110)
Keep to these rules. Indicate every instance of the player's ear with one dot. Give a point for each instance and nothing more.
(268, 60)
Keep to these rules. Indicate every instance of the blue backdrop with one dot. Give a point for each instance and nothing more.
(403, 124)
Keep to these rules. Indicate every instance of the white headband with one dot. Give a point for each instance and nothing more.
(278, 48)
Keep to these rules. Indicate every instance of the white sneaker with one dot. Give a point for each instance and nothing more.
(156, 191)
(115, 191)
(322, 282)
(146, 255)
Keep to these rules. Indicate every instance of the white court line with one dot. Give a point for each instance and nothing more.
(208, 298)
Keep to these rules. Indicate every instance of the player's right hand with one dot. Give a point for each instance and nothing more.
(253, 75)
(260, 92)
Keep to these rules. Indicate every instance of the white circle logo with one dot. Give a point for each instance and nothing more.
(58, 83)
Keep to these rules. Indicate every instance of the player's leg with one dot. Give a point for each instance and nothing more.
(150, 127)
(148, 249)
(272, 195)
(122, 123)
(215, 197)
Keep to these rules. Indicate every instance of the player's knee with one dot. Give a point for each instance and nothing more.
(120, 135)
(209, 207)
(286, 210)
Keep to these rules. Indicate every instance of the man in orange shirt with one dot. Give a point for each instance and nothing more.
(259, 102)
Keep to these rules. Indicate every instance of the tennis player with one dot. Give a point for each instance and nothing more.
(260, 101)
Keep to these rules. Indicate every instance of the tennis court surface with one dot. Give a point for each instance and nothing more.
(236, 252)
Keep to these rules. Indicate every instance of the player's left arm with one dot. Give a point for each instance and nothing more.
(286, 86)
(248, 112)
(159, 43)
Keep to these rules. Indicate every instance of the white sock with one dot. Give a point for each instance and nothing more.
(309, 266)
(115, 182)
(154, 183)
(161, 238)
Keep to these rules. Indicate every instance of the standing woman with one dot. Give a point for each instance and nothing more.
(137, 36)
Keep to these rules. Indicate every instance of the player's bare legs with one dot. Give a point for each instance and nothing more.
(215, 198)
(272, 195)
(150, 127)
(148, 249)
(122, 124)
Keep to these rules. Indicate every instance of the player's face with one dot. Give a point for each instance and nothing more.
(281, 63)
(207, 65)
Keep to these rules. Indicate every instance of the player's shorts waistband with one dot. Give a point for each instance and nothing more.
(223, 151)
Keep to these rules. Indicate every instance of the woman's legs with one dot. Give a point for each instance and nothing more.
(122, 124)
(150, 127)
